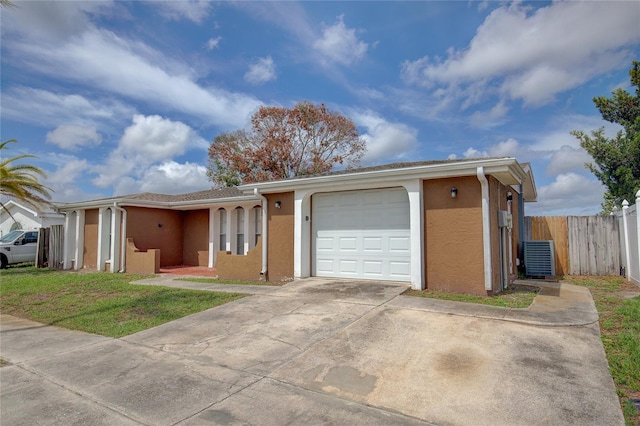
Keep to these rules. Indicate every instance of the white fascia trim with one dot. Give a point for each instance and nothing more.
(503, 165)
(13, 203)
(172, 205)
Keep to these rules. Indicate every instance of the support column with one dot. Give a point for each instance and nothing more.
(212, 238)
(115, 240)
(302, 234)
(416, 225)
(79, 248)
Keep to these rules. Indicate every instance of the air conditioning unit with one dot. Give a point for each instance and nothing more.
(539, 258)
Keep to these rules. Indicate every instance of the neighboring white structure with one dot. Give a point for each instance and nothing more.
(629, 228)
(26, 218)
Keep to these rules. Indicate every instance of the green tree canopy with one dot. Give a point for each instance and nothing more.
(21, 181)
(616, 161)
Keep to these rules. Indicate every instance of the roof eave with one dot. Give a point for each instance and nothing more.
(507, 170)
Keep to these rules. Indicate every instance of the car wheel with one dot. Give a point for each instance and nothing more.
(3, 262)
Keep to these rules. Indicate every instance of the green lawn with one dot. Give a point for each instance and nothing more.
(100, 303)
(518, 296)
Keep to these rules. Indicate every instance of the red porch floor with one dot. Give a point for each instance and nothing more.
(198, 271)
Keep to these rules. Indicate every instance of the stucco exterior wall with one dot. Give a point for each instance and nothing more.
(157, 229)
(90, 251)
(453, 236)
(240, 267)
(142, 262)
(195, 245)
(280, 224)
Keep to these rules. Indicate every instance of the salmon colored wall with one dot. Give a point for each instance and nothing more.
(239, 267)
(142, 226)
(90, 254)
(280, 236)
(195, 251)
(453, 236)
(142, 262)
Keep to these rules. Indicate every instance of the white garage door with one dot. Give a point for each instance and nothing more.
(362, 234)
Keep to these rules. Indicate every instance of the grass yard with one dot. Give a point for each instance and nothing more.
(99, 303)
(620, 334)
(517, 296)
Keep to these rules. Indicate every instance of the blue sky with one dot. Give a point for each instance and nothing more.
(125, 97)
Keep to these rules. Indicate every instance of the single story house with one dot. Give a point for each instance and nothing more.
(14, 215)
(453, 225)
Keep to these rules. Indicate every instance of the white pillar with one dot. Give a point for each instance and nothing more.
(416, 226)
(69, 238)
(212, 238)
(638, 232)
(115, 240)
(79, 247)
(625, 230)
(103, 243)
(302, 234)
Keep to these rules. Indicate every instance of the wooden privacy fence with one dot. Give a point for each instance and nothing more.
(50, 247)
(584, 245)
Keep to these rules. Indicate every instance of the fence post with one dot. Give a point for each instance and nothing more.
(625, 230)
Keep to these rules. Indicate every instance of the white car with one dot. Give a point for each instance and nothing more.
(18, 246)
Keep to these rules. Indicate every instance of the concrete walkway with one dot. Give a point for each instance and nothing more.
(320, 352)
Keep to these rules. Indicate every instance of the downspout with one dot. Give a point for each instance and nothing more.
(257, 193)
(486, 228)
(123, 242)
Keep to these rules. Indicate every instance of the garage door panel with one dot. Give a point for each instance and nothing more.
(348, 244)
(324, 243)
(362, 234)
(372, 244)
(399, 244)
(349, 266)
(372, 267)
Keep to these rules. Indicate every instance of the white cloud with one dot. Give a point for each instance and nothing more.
(213, 43)
(561, 135)
(507, 148)
(48, 109)
(166, 178)
(568, 159)
(72, 137)
(471, 152)
(533, 54)
(568, 194)
(149, 140)
(108, 62)
(193, 10)
(153, 138)
(491, 118)
(340, 44)
(385, 141)
(67, 173)
(262, 71)
(174, 178)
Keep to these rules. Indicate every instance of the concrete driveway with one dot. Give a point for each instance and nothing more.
(320, 352)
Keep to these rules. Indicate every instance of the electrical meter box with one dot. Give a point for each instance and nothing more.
(505, 219)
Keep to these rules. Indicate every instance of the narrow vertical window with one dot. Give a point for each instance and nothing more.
(223, 229)
(258, 223)
(240, 228)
